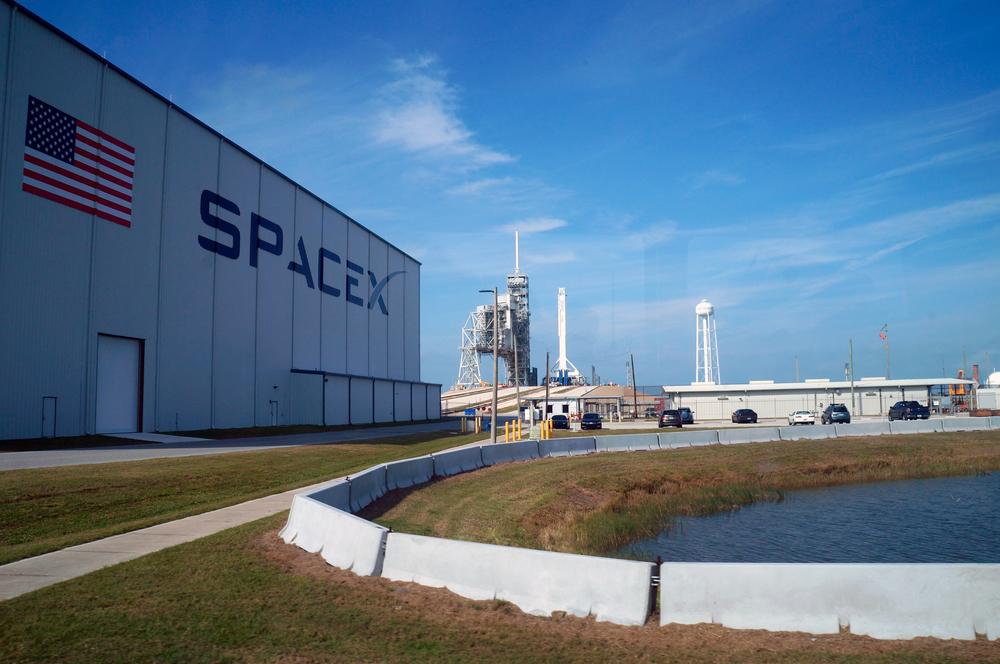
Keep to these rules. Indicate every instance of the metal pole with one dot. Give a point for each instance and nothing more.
(496, 364)
(851, 346)
(545, 412)
(885, 331)
(517, 372)
(496, 367)
(635, 397)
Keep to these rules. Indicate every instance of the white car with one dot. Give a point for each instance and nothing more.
(801, 417)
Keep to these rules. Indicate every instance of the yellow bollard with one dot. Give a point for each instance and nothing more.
(505, 426)
(519, 428)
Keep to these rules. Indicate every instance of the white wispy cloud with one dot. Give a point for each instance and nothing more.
(478, 187)
(534, 225)
(419, 114)
(968, 154)
(714, 178)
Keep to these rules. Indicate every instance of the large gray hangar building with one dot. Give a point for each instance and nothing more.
(154, 276)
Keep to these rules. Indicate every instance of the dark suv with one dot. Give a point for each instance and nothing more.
(670, 418)
(590, 421)
(836, 413)
(560, 422)
(909, 410)
(687, 417)
(744, 416)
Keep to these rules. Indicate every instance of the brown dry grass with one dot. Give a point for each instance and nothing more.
(583, 639)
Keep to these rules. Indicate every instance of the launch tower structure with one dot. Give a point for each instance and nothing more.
(514, 322)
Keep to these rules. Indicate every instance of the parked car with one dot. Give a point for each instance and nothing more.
(687, 417)
(836, 413)
(590, 421)
(744, 416)
(670, 418)
(650, 412)
(801, 417)
(909, 410)
(560, 422)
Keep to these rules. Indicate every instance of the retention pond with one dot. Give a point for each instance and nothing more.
(940, 520)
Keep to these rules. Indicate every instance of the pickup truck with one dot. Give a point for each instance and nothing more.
(909, 410)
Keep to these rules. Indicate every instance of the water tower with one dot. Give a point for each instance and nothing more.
(706, 345)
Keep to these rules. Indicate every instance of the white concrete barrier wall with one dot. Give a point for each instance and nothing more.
(457, 461)
(806, 432)
(737, 436)
(344, 540)
(508, 452)
(885, 601)
(965, 424)
(633, 442)
(994, 422)
(915, 426)
(861, 429)
(367, 487)
(690, 438)
(611, 443)
(335, 494)
(538, 582)
(409, 472)
(560, 447)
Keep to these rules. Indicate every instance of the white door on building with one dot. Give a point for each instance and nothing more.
(119, 371)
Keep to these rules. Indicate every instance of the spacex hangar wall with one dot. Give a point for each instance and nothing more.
(154, 276)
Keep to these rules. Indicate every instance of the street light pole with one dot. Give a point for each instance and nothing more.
(517, 372)
(496, 365)
(851, 346)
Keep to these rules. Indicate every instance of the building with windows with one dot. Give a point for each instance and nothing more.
(872, 396)
(155, 276)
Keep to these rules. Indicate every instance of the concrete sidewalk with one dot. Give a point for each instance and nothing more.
(23, 576)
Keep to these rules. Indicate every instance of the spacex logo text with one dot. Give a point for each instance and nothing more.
(273, 243)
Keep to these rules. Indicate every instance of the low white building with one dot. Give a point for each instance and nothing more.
(872, 396)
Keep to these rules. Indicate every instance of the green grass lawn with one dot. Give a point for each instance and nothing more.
(599, 503)
(45, 509)
(243, 596)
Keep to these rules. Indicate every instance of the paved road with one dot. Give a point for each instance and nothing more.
(142, 451)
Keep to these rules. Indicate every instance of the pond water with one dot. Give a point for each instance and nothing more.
(941, 520)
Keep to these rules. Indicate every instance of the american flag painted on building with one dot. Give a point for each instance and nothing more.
(72, 163)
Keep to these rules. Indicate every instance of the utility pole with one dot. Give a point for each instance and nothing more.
(496, 364)
(517, 379)
(884, 335)
(796, 368)
(635, 397)
(851, 351)
(545, 413)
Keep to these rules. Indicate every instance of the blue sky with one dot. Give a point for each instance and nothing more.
(815, 169)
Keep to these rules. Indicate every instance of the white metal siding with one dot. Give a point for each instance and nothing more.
(334, 309)
(126, 269)
(235, 305)
(45, 266)
(274, 293)
(184, 358)
(306, 300)
(221, 336)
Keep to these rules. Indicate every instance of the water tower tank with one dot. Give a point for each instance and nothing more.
(704, 308)
(994, 379)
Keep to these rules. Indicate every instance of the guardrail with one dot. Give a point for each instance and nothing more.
(879, 600)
